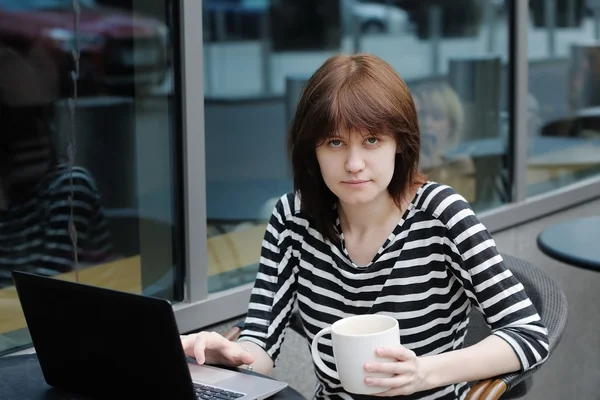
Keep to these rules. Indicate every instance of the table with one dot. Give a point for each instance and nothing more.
(21, 378)
(574, 242)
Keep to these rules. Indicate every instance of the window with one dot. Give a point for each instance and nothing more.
(43, 4)
(452, 54)
(563, 135)
(99, 154)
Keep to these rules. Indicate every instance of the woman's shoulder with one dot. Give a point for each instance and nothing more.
(440, 200)
(76, 178)
(288, 205)
(287, 213)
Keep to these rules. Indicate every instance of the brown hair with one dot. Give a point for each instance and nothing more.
(359, 93)
(441, 94)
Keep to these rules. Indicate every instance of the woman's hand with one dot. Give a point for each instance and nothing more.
(409, 376)
(212, 348)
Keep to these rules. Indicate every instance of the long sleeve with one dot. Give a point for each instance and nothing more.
(95, 242)
(492, 288)
(274, 292)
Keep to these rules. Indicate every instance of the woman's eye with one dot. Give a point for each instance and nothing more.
(372, 140)
(335, 143)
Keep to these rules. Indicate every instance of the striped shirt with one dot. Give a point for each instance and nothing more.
(437, 263)
(34, 234)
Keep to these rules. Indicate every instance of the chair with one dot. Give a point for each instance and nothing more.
(550, 302)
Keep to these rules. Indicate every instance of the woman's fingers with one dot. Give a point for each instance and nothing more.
(395, 382)
(236, 354)
(396, 368)
(200, 348)
(244, 356)
(205, 342)
(187, 342)
(212, 348)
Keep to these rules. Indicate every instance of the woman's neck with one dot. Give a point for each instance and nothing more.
(359, 220)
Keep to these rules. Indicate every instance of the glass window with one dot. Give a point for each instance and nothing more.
(453, 54)
(564, 94)
(89, 141)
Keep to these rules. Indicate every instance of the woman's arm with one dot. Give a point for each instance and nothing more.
(274, 291)
(519, 340)
(508, 311)
(490, 357)
(270, 307)
(263, 363)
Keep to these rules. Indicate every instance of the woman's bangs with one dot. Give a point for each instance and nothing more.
(355, 109)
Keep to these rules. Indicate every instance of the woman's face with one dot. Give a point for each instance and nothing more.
(435, 125)
(29, 149)
(357, 168)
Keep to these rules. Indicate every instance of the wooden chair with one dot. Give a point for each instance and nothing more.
(550, 302)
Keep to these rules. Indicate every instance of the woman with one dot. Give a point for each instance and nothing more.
(441, 120)
(35, 185)
(441, 125)
(365, 232)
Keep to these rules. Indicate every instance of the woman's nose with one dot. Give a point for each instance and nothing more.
(355, 161)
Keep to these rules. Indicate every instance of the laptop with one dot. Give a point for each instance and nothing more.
(105, 344)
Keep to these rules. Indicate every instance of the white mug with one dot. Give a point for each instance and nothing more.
(355, 341)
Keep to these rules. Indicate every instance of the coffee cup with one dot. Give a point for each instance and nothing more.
(355, 341)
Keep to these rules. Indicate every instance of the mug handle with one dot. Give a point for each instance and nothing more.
(317, 358)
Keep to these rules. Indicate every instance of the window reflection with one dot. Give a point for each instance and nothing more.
(564, 82)
(36, 183)
(89, 188)
(442, 123)
(441, 116)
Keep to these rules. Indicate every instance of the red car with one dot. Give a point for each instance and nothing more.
(118, 49)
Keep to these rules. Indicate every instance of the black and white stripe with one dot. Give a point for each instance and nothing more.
(438, 263)
(34, 235)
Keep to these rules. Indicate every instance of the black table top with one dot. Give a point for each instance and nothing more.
(21, 378)
(575, 242)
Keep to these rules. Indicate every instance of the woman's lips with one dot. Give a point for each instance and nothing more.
(355, 182)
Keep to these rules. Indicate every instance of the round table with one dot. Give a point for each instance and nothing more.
(21, 378)
(574, 242)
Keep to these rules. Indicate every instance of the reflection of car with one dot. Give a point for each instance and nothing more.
(241, 19)
(233, 19)
(117, 50)
(591, 6)
(460, 18)
(568, 13)
(380, 18)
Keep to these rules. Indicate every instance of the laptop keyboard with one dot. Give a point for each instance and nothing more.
(205, 392)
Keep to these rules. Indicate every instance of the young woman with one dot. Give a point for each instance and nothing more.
(35, 183)
(441, 118)
(365, 232)
(441, 122)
